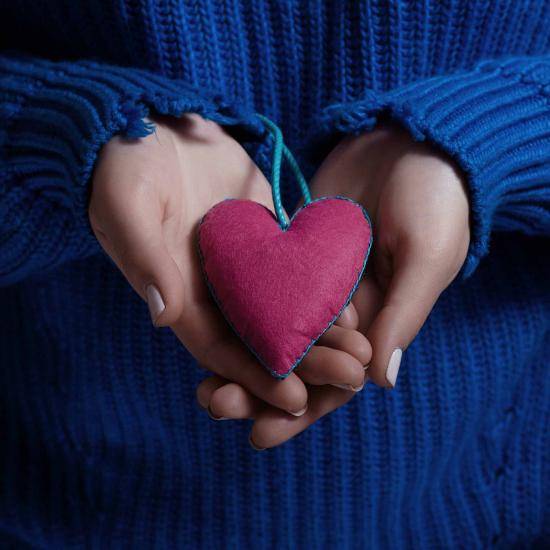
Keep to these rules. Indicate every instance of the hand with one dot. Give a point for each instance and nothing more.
(419, 207)
(229, 401)
(148, 197)
(418, 204)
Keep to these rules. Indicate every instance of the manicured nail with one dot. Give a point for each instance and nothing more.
(393, 366)
(213, 416)
(349, 387)
(299, 413)
(254, 446)
(155, 302)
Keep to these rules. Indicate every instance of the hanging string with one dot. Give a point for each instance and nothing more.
(280, 151)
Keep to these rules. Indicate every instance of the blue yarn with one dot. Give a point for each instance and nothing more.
(102, 443)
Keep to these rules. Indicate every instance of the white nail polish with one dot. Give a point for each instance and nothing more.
(299, 413)
(155, 302)
(213, 416)
(349, 387)
(254, 446)
(393, 366)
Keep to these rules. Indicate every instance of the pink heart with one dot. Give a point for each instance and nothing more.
(279, 289)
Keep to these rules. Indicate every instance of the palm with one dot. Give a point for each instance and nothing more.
(419, 208)
(207, 166)
(147, 200)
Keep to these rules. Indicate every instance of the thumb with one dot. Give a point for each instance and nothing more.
(133, 237)
(413, 290)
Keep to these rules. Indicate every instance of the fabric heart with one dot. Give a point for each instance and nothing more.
(281, 289)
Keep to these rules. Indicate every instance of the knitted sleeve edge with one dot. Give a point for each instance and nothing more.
(57, 117)
(494, 121)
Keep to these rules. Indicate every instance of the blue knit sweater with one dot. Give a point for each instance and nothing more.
(101, 442)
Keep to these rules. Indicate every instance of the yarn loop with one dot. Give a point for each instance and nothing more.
(280, 152)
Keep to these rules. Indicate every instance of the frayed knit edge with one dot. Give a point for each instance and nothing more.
(129, 120)
(136, 124)
(116, 102)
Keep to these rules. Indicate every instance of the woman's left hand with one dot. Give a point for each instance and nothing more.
(419, 207)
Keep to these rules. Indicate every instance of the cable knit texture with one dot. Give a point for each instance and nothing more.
(102, 443)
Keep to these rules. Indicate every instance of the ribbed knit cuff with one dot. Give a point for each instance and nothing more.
(494, 121)
(55, 118)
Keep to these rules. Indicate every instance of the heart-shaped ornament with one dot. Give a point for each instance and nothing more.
(281, 288)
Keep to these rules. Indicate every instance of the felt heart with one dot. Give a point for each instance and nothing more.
(281, 289)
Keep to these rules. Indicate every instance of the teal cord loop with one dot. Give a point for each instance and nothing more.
(280, 151)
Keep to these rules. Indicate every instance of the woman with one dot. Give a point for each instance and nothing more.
(435, 116)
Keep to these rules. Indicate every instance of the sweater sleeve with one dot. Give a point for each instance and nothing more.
(494, 120)
(55, 118)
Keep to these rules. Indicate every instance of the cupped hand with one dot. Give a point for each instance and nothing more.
(419, 207)
(418, 204)
(148, 196)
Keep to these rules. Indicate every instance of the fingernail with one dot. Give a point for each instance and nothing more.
(155, 302)
(349, 387)
(393, 366)
(299, 413)
(366, 367)
(254, 446)
(213, 416)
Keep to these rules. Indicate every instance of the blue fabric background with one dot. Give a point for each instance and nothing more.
(102, 444)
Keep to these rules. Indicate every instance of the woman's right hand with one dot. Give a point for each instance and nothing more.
(148, 197)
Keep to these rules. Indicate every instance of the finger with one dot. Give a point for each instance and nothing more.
(127, 222)
(207, 387)
(412, 292)
(206, 335)
(232, 361)
(350, 341)
(224, 400)
(232, 401)
(330, 366)
(348, 318)
(368, 300)
(273, 427)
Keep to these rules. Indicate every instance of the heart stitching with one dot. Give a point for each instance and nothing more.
(226, 315)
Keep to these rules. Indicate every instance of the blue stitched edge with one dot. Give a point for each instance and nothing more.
(331, 322)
